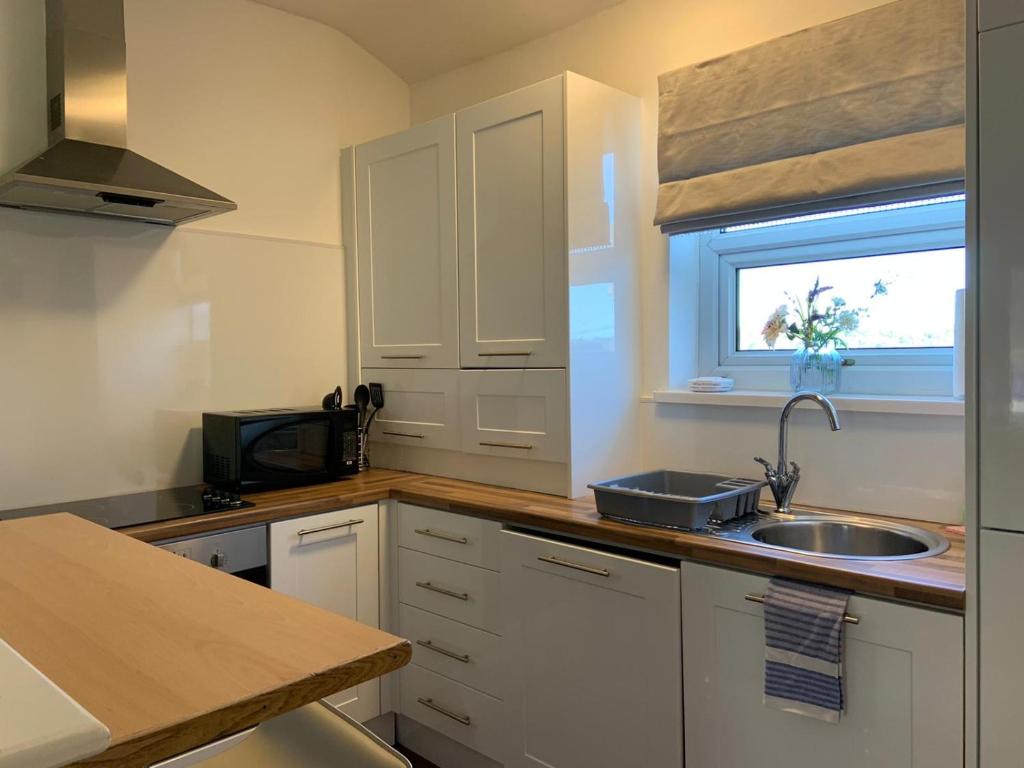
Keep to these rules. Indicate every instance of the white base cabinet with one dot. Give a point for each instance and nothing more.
(904, 685)
(331, 560)
(593, 646)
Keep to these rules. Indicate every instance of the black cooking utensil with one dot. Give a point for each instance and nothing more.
(376, 395)
(332, 400)
(362, 398)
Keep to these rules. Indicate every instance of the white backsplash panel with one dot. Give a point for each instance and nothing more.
(903, 465)
(116, 336)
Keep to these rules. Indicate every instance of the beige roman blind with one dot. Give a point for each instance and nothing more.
(865, 109)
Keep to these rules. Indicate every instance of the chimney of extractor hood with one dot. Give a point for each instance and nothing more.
(87, 167)
(86, 72)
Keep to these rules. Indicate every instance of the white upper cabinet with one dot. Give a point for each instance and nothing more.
(903, 681)
(405, 228)
(513, 295)
(331, 560)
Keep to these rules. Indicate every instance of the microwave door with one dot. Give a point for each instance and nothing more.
(289, 449)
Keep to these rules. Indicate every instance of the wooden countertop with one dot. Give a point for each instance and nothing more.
(165, 652)
(934, 581)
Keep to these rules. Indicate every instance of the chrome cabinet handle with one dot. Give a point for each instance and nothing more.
(575, 566)
(520, 446)
(760, 599)
(429, 645)
(443, 591)
(429, 703)
(402, 434)
(443, 536)
(401, 357)
(321, 529)
(503, 354)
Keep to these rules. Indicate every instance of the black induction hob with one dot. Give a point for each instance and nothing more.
(140, 508)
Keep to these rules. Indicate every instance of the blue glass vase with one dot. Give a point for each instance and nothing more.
(816, 370)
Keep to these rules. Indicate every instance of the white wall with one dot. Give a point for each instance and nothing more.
(116, 336)
(908, 465)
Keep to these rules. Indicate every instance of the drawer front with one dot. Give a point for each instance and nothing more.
(421, 408)
(464, 654)
(461, 592)
(467, 716)
(521, 414)
(456, 537)
(999, 13)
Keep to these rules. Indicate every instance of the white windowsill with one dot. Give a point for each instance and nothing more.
(929, 406)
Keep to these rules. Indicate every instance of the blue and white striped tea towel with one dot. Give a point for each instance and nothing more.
(803, 654)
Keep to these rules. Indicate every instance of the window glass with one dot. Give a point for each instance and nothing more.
(908, 299)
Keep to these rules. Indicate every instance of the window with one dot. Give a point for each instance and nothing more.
(898, 266)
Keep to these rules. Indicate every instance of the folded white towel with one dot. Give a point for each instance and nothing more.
(711, 384)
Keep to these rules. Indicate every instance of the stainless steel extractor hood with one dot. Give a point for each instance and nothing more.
(88, 168)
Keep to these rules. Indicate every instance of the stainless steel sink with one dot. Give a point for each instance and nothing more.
(853, 538)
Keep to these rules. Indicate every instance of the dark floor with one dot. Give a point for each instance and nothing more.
(416, 760)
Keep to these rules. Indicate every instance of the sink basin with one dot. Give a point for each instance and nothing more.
(852, 538)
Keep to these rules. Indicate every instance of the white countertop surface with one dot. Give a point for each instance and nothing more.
(40, 725)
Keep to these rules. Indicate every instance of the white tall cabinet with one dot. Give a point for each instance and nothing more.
(996, 206)
(331, 560)
(500, 244)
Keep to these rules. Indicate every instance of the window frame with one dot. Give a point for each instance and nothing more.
(721, 253)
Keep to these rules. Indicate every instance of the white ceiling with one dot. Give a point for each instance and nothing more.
(422, 38)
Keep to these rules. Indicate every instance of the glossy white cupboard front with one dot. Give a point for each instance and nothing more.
(511, 203)
(421, 407)
(1001, 314)
(903, 685)
(331, 560)
(594, 657)
(519, 413)
(405, 227)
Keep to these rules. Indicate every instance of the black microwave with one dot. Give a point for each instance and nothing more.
(279, 447)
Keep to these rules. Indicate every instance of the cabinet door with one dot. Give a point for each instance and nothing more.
(512, 254)
(903, 677)
(408, 269)
(330, 560)
(521, 414)
(1001, 313)
(421, 408)
(594, 652)
(1002, 627)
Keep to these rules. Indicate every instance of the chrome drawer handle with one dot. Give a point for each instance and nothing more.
(321, 529)
(760, 599)
(503, 354)
(402, 434)
(520, 446)
(429, 645)
(401, 357)
(429, 703)
(443, 591)
(575, 566)
(444, 536)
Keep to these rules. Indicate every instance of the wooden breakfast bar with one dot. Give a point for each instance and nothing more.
(166, 653)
